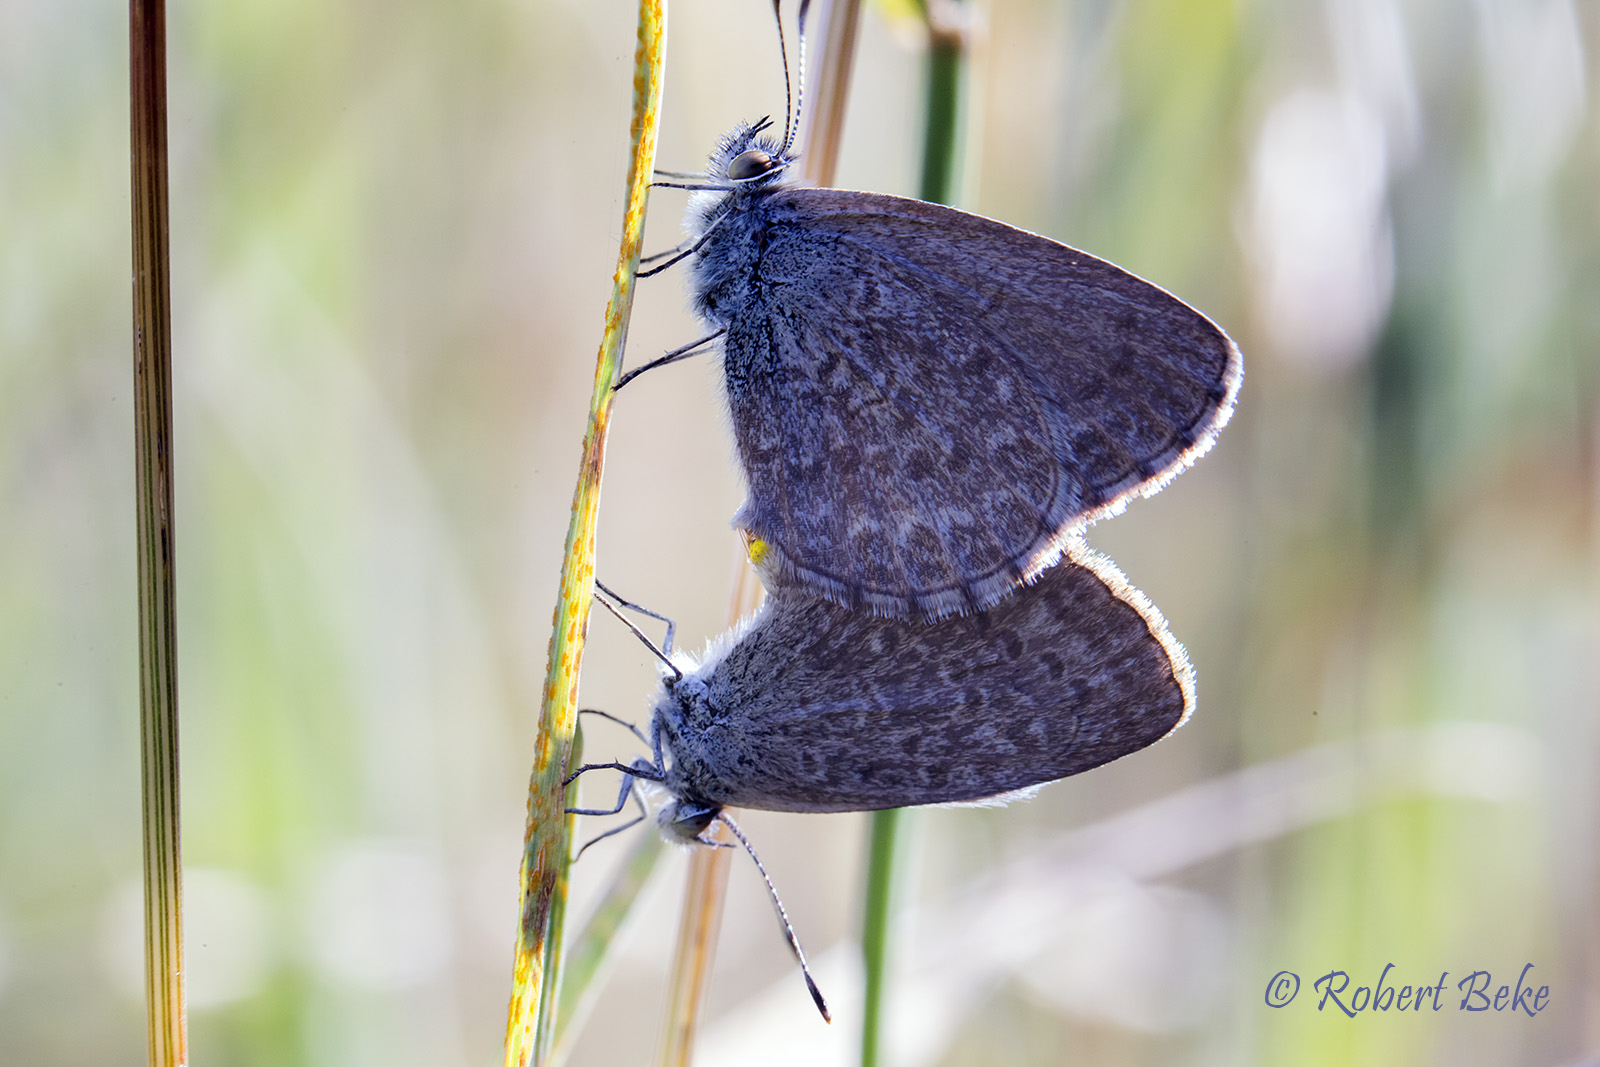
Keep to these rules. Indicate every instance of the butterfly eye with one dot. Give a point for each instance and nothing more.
(689, 819)
(749, 164)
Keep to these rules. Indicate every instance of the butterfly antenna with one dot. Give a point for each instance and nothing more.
(783, 917)
(788, 87)
(640, 634)
(800, 82)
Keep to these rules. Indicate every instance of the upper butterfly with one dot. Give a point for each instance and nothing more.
(928, 402)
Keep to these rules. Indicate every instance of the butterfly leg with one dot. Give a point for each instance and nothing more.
(674, 250)
(637, 769)
(622, 800)
(597, 838)
(620, 722)
(703, 183)
(691, 349)
(680, 253)
(628, 788)
(605, 600)
(672, 627)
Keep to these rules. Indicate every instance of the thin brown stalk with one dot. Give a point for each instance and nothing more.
(158, 663)
(546, 843)
(837, 25)
(694, 953)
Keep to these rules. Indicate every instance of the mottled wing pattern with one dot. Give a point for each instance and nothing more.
(818, 708)
(932, 400)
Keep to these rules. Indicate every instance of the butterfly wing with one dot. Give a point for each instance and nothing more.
(818, 708)
(927, 401)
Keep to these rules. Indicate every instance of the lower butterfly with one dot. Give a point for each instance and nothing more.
(811, 707)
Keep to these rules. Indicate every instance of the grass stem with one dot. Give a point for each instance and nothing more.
(546, 842)
(153, 458)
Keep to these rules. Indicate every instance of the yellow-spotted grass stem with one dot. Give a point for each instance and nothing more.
(547, 836)
(555, 956)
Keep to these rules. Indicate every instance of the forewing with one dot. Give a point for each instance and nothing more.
(824, 709)
(930, 401)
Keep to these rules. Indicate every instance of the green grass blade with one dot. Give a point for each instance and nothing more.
(591, 952)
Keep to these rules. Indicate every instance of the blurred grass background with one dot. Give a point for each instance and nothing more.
(393, 231)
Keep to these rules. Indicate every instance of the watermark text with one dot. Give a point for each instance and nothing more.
(1336, 991)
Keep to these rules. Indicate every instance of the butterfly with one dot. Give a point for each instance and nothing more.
(812, 707)
(928, 404)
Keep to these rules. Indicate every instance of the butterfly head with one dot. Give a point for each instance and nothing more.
(747, 160)
(687, 819)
